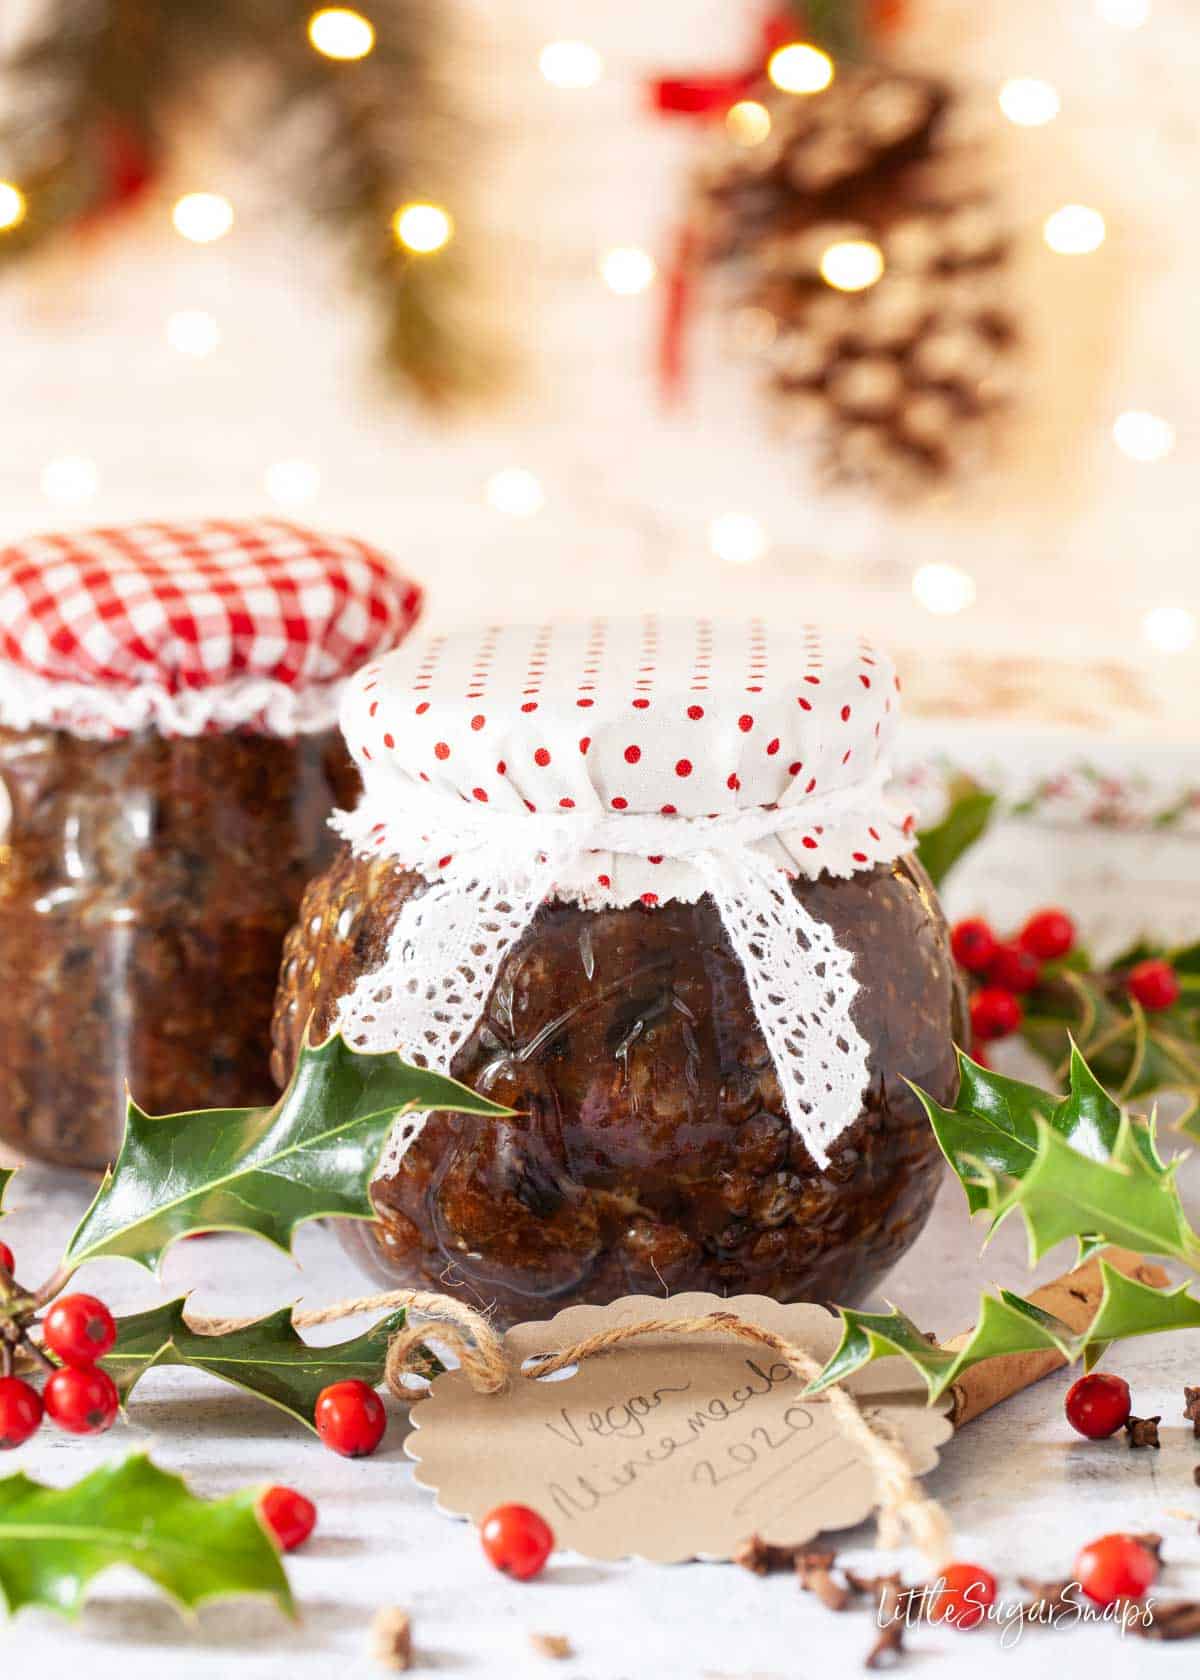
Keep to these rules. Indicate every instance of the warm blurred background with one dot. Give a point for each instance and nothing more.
(539, 296)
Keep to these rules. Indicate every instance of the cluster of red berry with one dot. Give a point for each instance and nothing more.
(79, 1395)
(1006, 970)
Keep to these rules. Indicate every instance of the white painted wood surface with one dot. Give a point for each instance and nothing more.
(1023, 1491)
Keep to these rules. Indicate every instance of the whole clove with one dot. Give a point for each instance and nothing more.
(813, 1572)
(872, 1585)
(1176, 1619)
(1143, 1432)
(1191, 1408)
(761, 1558)
(889, 1645)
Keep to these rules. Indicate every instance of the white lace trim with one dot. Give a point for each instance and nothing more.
(490, 871)
(29, 701)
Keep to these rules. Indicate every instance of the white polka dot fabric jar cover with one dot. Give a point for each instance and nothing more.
(614, 762)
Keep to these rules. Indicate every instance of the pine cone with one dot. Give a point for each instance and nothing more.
(897, 384)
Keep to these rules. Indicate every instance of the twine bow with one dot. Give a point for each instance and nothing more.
(902, 1509)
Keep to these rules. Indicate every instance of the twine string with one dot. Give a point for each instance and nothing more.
(902, 1508)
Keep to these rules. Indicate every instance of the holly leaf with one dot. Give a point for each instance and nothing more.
(1077, 1167)
(992, 1125)
(992, 1133)
(1128, 1308)
(1185, 960)
(1006, 1325)
(1130, 1199)
(55, 1541)
(967, 817)
(6, 1174)
(311, 1155)
(267, 1358)
(1009, 1324)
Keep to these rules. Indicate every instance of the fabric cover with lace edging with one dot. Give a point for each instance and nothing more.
(189, 627)
(609, 869)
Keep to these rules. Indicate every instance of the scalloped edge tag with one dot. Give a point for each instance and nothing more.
(668, 1448)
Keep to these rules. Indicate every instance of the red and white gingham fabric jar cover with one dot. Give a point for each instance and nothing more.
(686, 717)
(182, 628)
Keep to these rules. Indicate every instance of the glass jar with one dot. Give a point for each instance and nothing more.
(168, 766)
(146, 886)
(653, 1147)
(651, 1151)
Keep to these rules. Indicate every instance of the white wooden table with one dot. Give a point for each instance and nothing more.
(1023, 1491)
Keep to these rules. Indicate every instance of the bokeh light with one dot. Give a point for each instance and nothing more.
(202, 217)
(799, 68)
(339, 32)
(422, 228)
(851, 265)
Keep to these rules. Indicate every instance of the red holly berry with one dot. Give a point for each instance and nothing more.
(1116, 1566)
(973, 944)
(7, 1259)
(1014, 969)
(963, 1594)
(517, 1541)
(82, 1399)
(1097, 1405)
(350, 1418)
(995, 1013)
(79, 1329)
(1047, 935)
(1154, 983)
(20, 1411)
(289, 1515)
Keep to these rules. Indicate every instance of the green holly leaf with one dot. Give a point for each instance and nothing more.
(1185, 960)
(1128, 1308)
(55, 1541)
(267, 1358)
(1008, 1324)
(967, 817)
(6, 1174)
(262, 1170)
(1130, 1199)
(992, 1134)
(1078, 1166)
(992, 1126)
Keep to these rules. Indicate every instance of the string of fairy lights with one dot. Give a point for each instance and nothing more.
(423, 229)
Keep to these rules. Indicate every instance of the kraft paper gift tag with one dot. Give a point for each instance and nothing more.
(668, 1448)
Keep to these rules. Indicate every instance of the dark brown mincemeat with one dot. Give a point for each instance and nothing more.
(651, 1151)
(146, 886)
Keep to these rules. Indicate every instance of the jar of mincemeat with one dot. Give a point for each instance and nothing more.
(168, 763)
(645, 884)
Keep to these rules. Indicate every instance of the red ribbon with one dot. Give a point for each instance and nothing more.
(701, 97)
(712, 95)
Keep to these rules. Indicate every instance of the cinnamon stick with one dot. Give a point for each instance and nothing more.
(1074, 1298)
